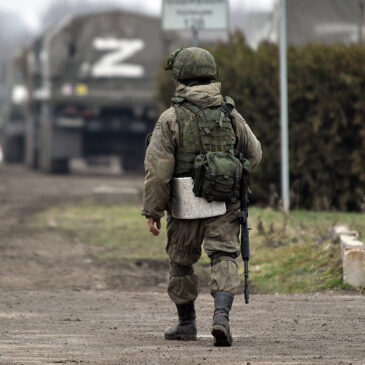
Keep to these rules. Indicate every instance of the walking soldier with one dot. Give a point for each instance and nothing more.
(192, 172)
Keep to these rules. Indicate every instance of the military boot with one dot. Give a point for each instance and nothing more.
(185, 329)
(220, 330)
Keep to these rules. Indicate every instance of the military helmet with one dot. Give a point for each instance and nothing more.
(192, 63)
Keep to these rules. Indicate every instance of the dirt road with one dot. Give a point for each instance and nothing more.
(58, 305)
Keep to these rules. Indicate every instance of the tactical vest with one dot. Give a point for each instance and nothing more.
(206, 150)
(201, 130)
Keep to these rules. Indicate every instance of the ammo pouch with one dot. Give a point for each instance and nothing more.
(217, 177)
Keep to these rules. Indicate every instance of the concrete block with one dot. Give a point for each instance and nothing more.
(349, 242)
(354, 267)
(352, 253)
(342, 230)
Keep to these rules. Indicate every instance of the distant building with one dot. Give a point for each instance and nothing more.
(308, 21)
(14, 34)
(322, 21)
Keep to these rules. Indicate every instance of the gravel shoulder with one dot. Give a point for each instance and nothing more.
(118, 327)
(59, 305)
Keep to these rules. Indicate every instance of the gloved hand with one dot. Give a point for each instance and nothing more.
(154, 225)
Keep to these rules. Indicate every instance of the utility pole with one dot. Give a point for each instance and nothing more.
(361, 20)
(284, 109)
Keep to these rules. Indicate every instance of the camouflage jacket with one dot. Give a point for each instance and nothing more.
(160, 155)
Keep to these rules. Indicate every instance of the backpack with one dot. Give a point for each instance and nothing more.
(207, 151)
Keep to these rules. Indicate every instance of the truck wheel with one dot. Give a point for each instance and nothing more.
(59, 166)
(31, 148)
(13, 149)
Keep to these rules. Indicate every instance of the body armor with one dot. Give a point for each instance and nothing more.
(202, 130)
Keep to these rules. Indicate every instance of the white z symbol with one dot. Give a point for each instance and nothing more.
(109, 65)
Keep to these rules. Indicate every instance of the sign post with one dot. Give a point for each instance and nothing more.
(195, 32)
(284, 109)
(195, 15)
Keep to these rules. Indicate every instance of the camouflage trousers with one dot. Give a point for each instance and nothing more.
(220, 239)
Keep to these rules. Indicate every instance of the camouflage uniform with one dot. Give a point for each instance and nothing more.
(185, 237)
(218, 235)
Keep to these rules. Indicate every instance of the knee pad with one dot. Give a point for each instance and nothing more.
(224, 276)
(180, 270)
(222, 256)
(183, 286)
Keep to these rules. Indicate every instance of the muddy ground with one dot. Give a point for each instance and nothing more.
(60, 305)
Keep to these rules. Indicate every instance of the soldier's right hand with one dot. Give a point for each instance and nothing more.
(154, 226)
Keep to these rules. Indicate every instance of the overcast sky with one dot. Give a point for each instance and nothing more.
(30, 10)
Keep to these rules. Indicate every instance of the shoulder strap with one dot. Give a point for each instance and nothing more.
(202, 122)
(229, 102)
(186, 151)
(228, 106)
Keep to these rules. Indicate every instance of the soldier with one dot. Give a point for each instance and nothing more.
(173, 148)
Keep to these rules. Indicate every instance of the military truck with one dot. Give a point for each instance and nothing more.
(14, 114)
(92, 81)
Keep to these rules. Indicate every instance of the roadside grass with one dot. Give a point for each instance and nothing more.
(294, 253)
(289, 254)
(121, 228)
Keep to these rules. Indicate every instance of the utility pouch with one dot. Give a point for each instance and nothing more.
(217, 177)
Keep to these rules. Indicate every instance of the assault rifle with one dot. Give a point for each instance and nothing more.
(242, 217)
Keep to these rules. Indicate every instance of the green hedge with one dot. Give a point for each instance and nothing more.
(326, 118)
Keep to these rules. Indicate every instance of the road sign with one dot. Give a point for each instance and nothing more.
(195, 14)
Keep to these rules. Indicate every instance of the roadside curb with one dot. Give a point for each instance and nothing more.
(352, 253)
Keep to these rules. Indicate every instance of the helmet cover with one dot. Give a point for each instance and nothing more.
(192, 63)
